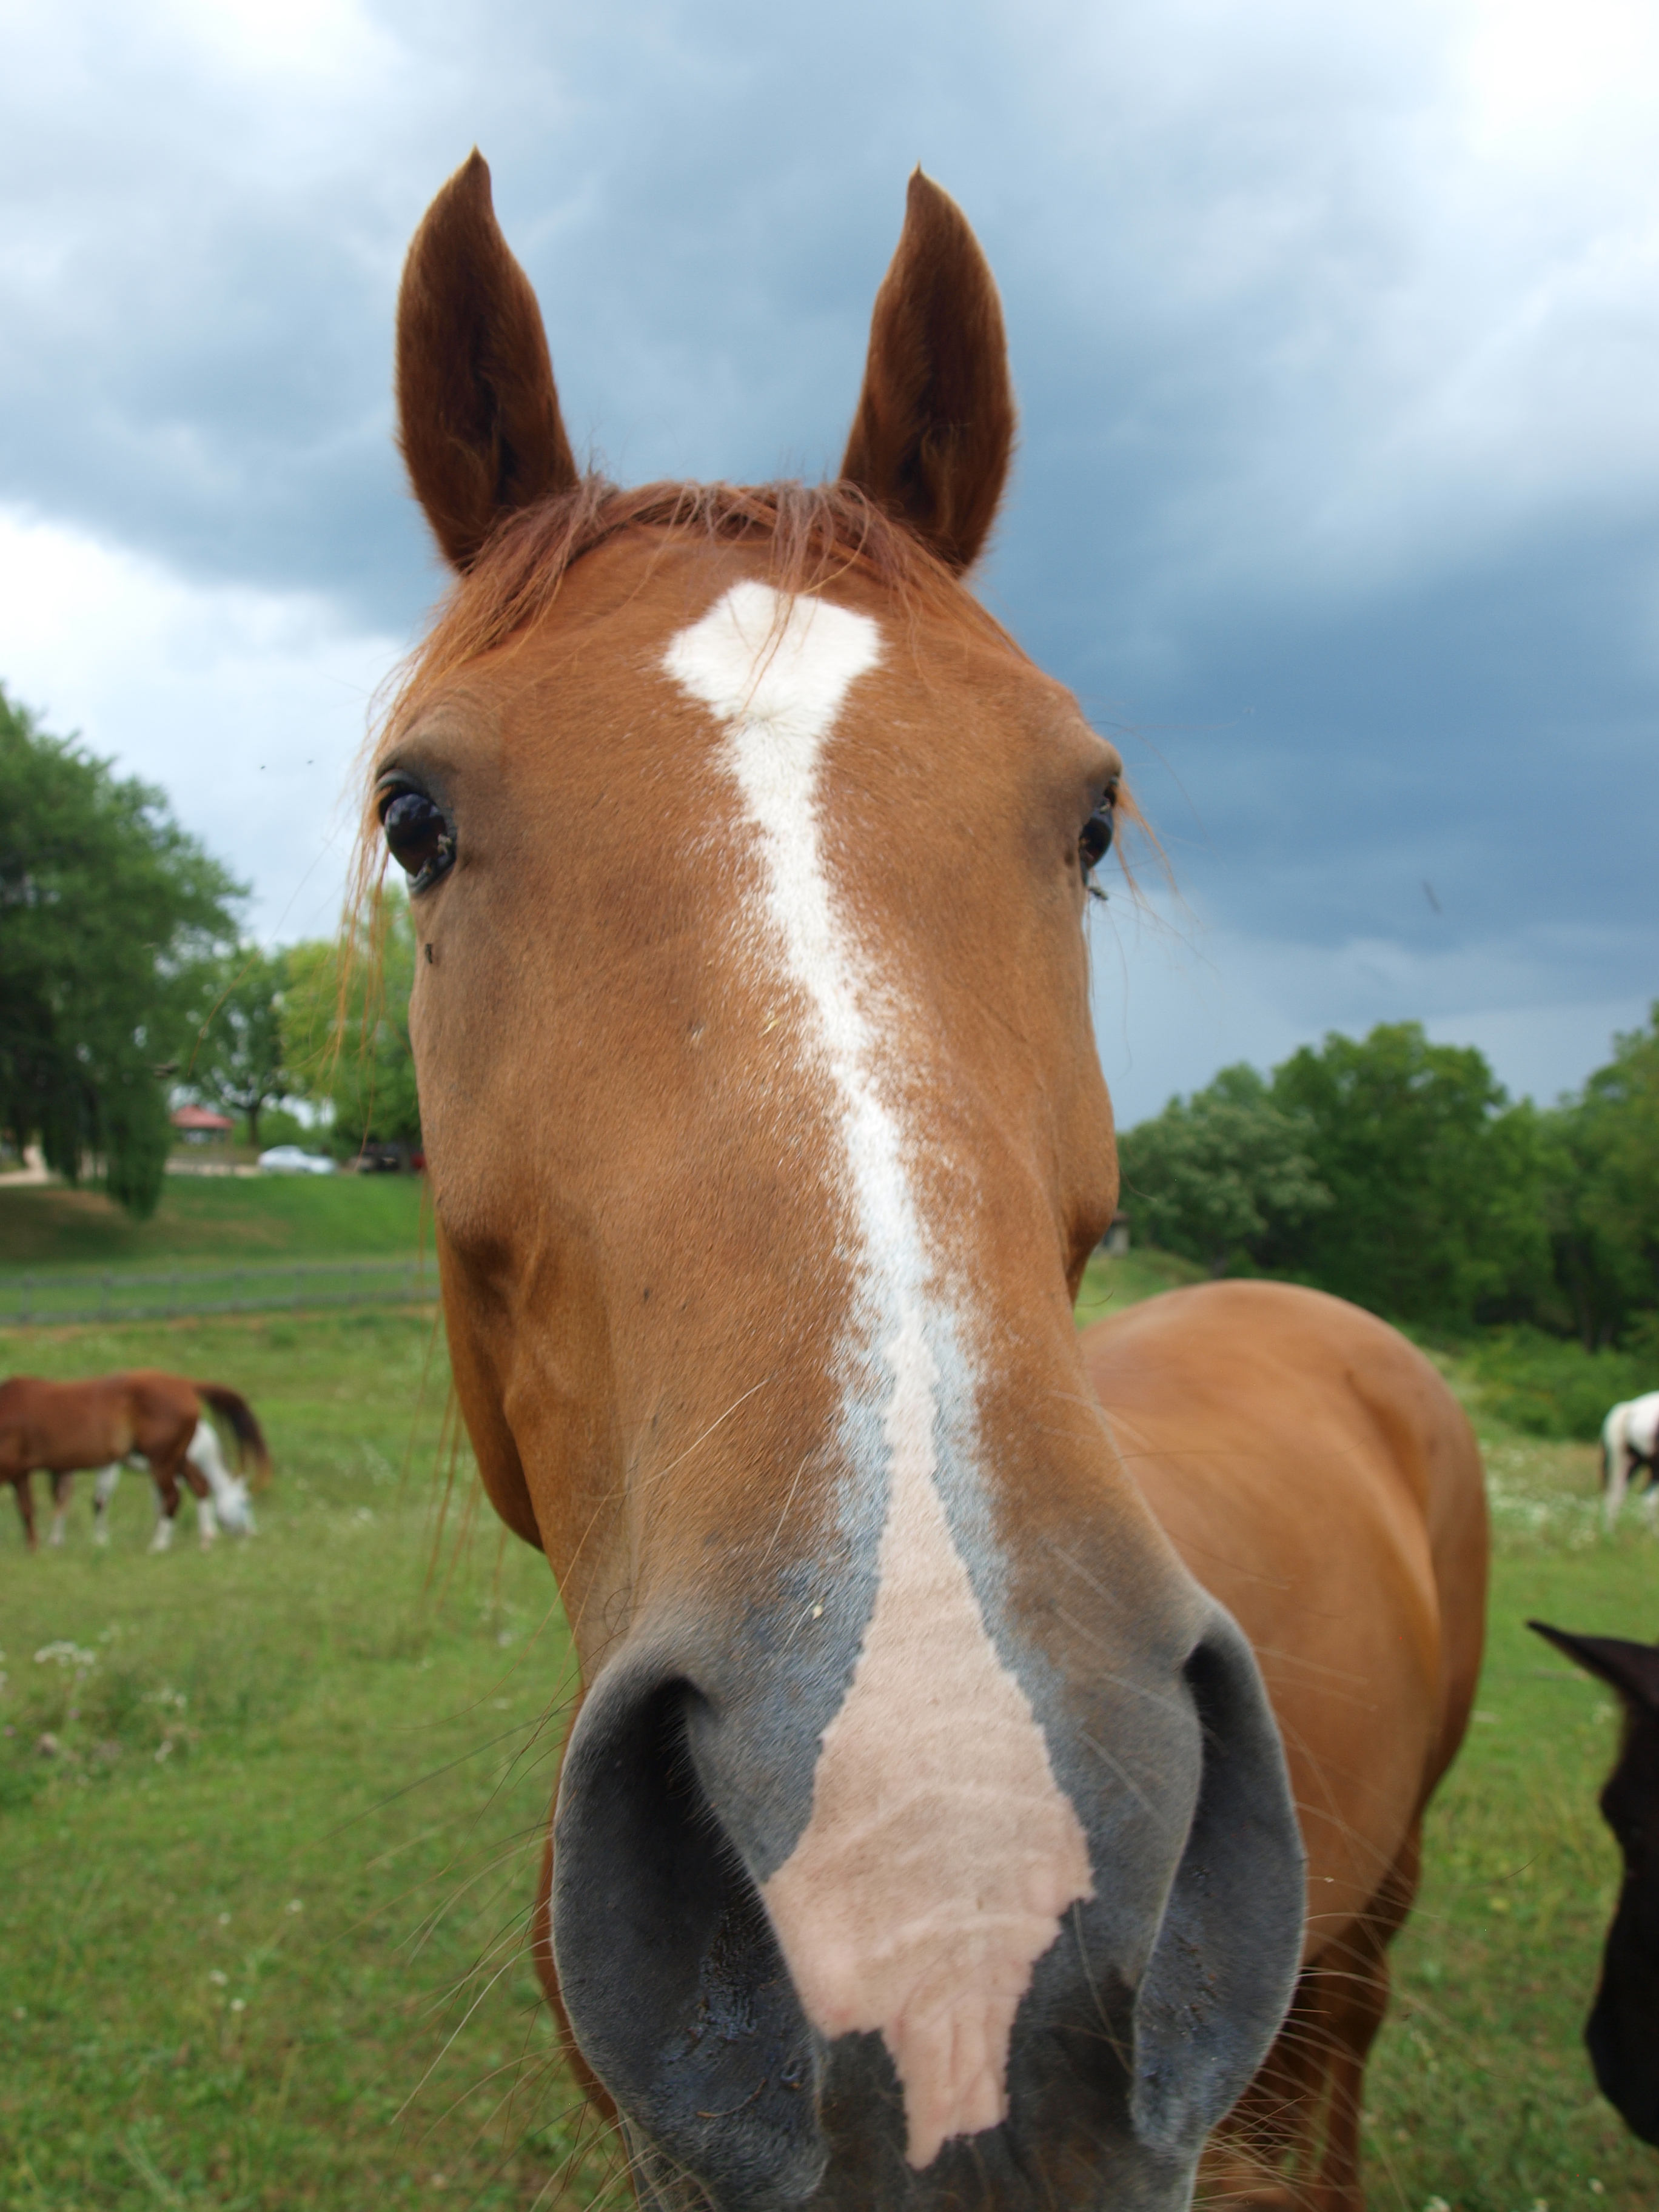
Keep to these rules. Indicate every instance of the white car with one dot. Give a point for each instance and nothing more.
(288, 1160)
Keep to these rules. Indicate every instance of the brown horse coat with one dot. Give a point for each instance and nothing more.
(61, 1428)
(1318, 1477)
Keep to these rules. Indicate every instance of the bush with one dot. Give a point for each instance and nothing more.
(1549, 1386)
(345, 1032)
(1438, 1213)
(278, 1126)
(1207, 1178)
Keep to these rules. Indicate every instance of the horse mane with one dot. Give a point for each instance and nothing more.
(815, 533)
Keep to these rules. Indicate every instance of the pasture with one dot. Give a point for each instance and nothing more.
(264, 1900)
(209, 1218)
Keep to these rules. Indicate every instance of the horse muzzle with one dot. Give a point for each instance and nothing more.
(1139, 2024)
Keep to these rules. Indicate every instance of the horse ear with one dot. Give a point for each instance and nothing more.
(477, 414)
(935, 423)
(1632, 1669)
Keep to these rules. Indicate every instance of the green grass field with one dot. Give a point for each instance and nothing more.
(1109, 1285)
(261, 1941)
(214, 1218)
(262, 1911)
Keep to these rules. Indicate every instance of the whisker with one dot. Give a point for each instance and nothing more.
(1128, 1781)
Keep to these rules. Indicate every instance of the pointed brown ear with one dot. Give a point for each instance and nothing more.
(477, 414)
(1632, 1669)
(935, 422)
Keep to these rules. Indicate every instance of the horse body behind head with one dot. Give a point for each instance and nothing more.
(924, 1830)
(1317, 1475)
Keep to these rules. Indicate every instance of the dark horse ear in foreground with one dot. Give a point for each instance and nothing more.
(1622, 2031)
(925, 1837)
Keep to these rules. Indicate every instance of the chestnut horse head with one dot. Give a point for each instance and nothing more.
(924, 1835)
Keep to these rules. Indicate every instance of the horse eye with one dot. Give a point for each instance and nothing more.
(1096, 840)
(418, 837)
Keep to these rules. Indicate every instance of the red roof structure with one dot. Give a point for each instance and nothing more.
(202, 1118)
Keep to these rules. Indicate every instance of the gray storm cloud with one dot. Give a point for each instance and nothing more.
(1339, 479)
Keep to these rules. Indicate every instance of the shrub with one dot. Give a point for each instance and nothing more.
(1549, 1386)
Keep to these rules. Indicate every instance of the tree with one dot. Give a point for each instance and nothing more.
(106, 907)
(238, 1060)
(1601, 1153)
(345, 1027)
(1209, 1177)
(1437, 1182)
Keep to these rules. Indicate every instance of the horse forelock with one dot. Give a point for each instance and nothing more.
(811, 534)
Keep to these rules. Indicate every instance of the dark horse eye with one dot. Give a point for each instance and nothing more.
(1096, 839)
(417, 835)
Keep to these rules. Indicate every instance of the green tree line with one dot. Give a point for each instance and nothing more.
(323, 1025)
(108, 914)
(1399, 1174)
(126, 986)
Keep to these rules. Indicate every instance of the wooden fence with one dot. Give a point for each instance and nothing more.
(49, 1295)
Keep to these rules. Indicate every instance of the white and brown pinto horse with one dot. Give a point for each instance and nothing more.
(61, 1429)
(1630, 1448)
(925, 1837)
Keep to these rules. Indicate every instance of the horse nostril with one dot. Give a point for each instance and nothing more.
(1222, 1971)
(668, 1968)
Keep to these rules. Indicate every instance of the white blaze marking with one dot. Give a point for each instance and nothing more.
(229, 1506)
(941, 1852)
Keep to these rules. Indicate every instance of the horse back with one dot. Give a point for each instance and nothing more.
(60, 1427)
(57, 1427)
(1316, 1475)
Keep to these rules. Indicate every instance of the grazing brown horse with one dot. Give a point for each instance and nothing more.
(925, 1837)
(61, 1428)
(1622, 2031)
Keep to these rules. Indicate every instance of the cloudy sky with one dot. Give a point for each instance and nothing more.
(1336, 335)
